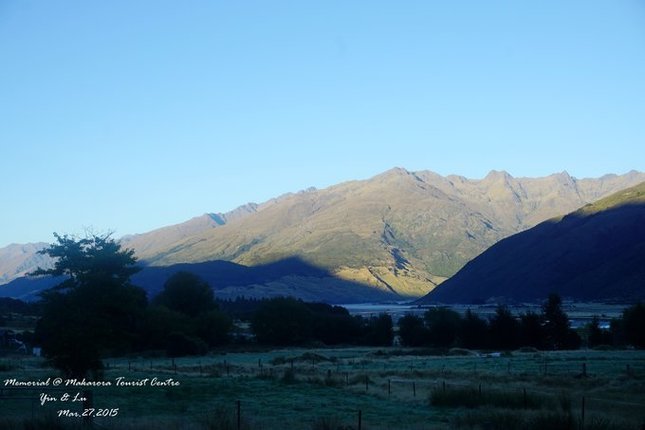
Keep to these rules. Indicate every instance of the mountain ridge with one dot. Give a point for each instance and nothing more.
(400, 230)
(594, 253)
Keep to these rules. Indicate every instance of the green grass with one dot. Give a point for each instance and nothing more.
(475, 397)
(326, 389)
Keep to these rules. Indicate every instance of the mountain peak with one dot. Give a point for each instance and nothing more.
(396, 171)
(497, 174)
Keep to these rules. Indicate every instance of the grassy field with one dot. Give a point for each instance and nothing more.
(326, 388)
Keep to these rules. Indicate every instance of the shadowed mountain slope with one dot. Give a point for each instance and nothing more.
(594, 253)
(400, 231)
(290, 276)
(405, 231)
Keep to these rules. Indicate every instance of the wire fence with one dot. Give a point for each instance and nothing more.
(394, 378)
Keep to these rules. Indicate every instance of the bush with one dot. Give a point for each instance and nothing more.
(412, 331)
(180, 344)
(501, 419)
(472, 398)
(225, 419)
(329, 423)
(443, 325)
(282, 321)
(289, 377)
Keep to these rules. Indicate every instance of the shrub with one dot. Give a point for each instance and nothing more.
(289, 377)
(180, 344)
(329, 423)
(473, 398)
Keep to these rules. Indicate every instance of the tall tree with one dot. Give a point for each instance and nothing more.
(556, 325)
(633, 323)
(596, 335)
(95, 309)
(412, 331)
(473, 331)
(443, 326)
(532, 330)
(379, 330)
(282, 321)
(504, 329)
(187, 293)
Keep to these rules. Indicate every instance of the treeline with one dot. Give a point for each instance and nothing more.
(97, 312)
(547, 330)
(184, 319)
(287, 321)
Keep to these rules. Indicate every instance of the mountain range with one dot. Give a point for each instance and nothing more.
(400, 232)
(596, 253)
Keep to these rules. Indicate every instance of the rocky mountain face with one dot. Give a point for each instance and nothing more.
(400, 231)
(595, 253)
(18, 260)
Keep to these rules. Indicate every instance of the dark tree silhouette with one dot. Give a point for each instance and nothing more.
(596, 335)
(213, 327)
(473, 331)
(504, 329)
(379, 331)
(412, 330)
(556, 325)
(443, 325)
(187, 293)
(532, 330)
(633, 325)
(282, 321)
(95, 310)
(334, 325)
(186, 307)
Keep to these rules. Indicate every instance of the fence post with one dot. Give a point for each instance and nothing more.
(239, 415)
(367, 381)
(389, 387)
(414, 389)
(582, 414)
(360, 419)
(88, 403)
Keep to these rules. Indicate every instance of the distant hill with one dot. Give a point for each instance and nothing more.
(400, 231)
(291, 276)
(18, 260)
(594, 253)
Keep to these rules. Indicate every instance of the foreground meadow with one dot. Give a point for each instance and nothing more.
(344, 388)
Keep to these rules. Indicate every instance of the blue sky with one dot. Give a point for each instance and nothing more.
(132, 115)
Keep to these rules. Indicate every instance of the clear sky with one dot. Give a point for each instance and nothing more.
(132, 115)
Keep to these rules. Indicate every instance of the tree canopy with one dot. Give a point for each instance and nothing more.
(187, 293)
(95, 310)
